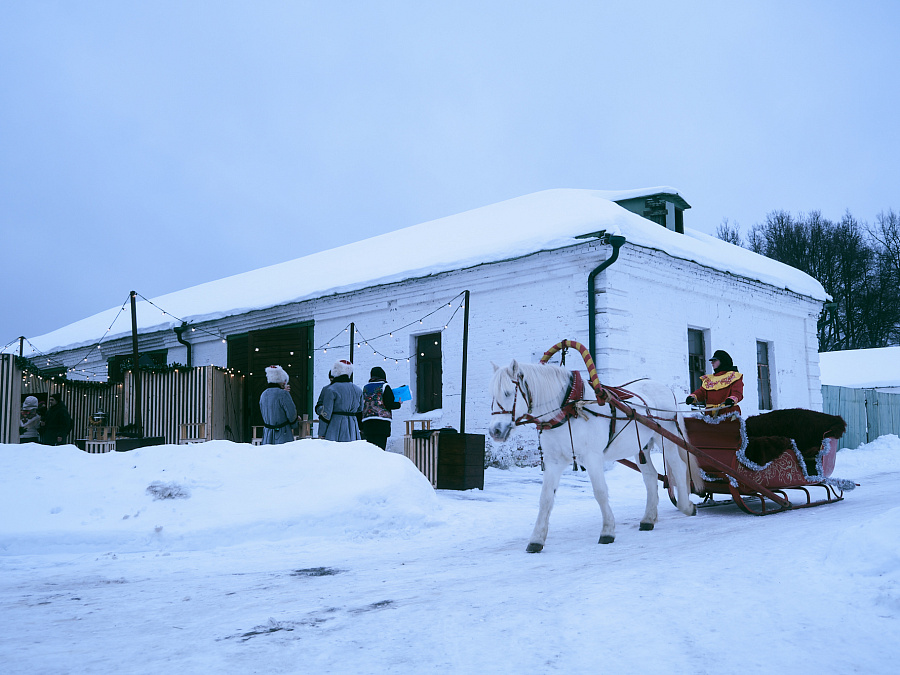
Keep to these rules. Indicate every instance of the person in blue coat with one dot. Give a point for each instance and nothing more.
(277, 407)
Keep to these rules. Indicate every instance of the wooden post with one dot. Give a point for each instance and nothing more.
(21, 345)
(465, 363)
(135, 373)
(352, 341)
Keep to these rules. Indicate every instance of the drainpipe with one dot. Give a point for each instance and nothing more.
(178, 333)
(616, 241)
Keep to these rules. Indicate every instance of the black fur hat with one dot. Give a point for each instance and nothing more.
(377, 373)
(724, 359)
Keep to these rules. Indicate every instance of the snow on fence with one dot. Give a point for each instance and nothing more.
(867, 412)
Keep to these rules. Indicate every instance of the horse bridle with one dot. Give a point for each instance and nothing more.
(526, 418)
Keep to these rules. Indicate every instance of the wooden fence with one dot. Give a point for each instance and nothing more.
(82, 399)
(205, 395)
(10, 395)
(868, 413)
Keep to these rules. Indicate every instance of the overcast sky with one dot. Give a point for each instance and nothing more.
(157, 145)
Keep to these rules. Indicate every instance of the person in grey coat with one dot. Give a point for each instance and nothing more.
(323, 426)
(30, 422)
(277, 407)
(342, 403)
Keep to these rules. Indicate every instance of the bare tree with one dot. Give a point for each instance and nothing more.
(726, 232)
(858, 266)
(886, 233)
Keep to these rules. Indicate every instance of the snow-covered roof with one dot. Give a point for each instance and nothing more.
(861, 368)
(622, 195)
(540, 221)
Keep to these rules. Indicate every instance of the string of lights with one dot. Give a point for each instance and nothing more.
(327, 345)
(324, 348)
(53, 363)
(101, 370)
(193, 328)
(367, 343)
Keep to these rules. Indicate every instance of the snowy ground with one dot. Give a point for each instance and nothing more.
(324, 558)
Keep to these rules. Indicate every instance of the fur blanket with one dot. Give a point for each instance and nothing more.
(770, 434)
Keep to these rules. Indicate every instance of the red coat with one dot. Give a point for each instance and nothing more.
(717, 387)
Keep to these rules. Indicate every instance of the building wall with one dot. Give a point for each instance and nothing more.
(646, 301)
(654, 299)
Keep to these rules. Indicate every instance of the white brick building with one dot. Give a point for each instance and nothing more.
(526, 262)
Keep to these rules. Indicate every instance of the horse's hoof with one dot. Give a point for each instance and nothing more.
(693, 510)
(646, 527)
(606, 539)
(534, 548)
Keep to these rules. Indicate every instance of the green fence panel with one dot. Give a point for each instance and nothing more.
(868, 413)
(884, 413)
(851, 405)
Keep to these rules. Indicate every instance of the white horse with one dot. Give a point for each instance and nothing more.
(537, 392)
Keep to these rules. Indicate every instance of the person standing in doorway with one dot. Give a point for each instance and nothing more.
(378, 402)
(30, 422)
(56, 423)
(278, 410)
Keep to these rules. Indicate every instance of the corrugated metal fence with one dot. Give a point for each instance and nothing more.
(868, 413)
(205, 395)
(198, 395)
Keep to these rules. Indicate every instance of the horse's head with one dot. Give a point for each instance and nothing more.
(505, 392)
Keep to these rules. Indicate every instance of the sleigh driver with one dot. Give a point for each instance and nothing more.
(719, 393)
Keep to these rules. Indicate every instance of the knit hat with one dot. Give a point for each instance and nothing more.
(276, 375)
(342, 367)
(377, 373)
(31, 403)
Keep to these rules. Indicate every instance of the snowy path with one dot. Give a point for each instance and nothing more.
(722, 592)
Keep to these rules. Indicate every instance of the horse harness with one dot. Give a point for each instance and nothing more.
(575, 405)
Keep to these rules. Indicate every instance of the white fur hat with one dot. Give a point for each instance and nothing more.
(31, 403)
(276, 375)
(341, 367)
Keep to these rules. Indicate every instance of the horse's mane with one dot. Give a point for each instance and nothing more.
(547, 383)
